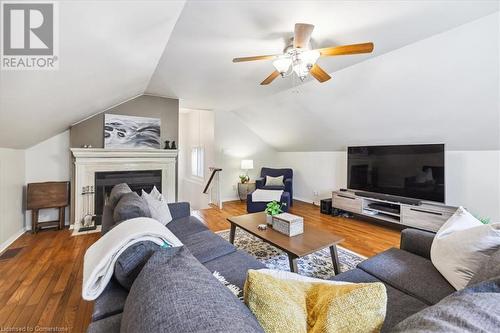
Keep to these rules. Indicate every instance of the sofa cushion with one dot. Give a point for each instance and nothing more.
(473, 309)
(131, 205)
(206, 246)
(186, 226)
(488, 270)
(234, 266)
(399, 305)
(409, 273)
(130, 263)
(116, 194)
(110, 302)
(107, 325)
(157, 206)
(289, 302)
(461, 246)
(175, 293)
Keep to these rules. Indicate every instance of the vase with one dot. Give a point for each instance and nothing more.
(269, 220)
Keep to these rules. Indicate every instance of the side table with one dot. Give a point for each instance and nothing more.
(244, 189)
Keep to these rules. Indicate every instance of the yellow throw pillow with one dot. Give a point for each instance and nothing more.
(298, 305)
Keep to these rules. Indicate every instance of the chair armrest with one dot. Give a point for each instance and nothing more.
(418, 242)
(179, 209)
(260, 182)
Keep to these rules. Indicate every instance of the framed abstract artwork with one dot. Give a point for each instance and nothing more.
(131, 132)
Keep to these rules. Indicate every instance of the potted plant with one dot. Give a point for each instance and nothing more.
(273, 208)
(244, 178)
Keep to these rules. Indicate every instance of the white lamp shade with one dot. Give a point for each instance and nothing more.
(309, 58)
(246, 164)
(282, 64)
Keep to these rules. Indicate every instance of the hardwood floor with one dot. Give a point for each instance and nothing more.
(364, 237)
(41, 285)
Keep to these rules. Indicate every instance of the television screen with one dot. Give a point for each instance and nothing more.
(413, 171)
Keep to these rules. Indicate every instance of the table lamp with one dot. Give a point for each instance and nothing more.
(246, 165)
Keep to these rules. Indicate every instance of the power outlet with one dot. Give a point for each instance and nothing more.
(234, 188)
(315, 193)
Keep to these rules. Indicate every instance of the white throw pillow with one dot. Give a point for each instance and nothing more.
(157, 206)
(274, 181)
(461, 245)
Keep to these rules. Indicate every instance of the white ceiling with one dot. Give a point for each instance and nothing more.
(108, 53)
(114, 50)
(444, 89)
(196, 65)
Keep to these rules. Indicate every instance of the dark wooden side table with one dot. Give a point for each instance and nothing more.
(244, 189)
(47, 195)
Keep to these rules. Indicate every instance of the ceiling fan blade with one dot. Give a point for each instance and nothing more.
(270, 78)
(346, 49)
(263, 57)
(319, 74)
(302, 35)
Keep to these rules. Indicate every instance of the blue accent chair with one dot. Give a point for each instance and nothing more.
(287, 180)
(254, 207)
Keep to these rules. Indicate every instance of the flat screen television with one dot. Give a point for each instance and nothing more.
(412, 171)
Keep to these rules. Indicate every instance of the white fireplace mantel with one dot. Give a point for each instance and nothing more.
(88, 161)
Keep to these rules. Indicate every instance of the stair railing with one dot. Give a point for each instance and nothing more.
(213, 185)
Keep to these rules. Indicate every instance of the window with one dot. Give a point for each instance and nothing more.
(197, 162)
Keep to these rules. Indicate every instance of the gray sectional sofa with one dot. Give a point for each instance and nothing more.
(413, 285)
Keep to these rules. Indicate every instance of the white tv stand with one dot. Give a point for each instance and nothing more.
(427, 216)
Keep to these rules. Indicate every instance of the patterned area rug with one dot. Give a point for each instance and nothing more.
(317, 264)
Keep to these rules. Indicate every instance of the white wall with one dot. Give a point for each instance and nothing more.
(472, 178)
(234, 141)
(316, 174)
(11, 195)
(196, 128)
(49, 160)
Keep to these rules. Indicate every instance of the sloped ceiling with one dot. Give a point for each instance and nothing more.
(112, 51)
(108, 53)
(444, 89)
(196, 65)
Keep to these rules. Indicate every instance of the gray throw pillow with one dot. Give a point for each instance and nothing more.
(473, 309)
(175, 293)
(131, 205)
(117, 192)
(274, 181)
(488, 270)
(130, 263)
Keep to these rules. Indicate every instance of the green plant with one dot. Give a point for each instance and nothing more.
(484, 220)
(244, 179)
(274, 208)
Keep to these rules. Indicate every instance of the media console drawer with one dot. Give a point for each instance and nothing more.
(347, 203)
(422, 218)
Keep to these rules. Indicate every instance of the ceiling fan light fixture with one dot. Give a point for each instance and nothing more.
(282, 65)
(309, 57)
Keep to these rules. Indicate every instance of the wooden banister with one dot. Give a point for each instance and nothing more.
(212, 176)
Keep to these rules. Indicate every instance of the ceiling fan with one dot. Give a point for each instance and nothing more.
(300, 58)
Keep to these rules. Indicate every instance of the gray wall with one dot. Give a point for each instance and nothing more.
(91, 131)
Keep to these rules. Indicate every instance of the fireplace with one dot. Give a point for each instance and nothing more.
(137, 180)
(97, 170)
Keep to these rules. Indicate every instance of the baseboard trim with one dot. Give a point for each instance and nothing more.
(12, 239)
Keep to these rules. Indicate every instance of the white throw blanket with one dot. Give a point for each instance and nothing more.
(266, 195)
(100, 258)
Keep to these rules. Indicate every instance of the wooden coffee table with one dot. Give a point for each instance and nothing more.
(313, 239)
